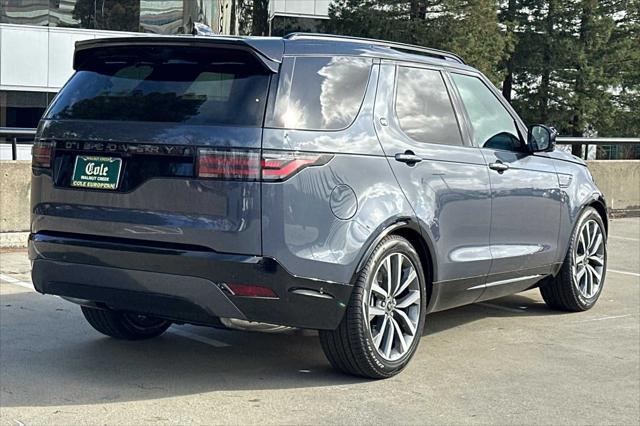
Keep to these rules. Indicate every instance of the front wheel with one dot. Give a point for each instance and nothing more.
(579, 283)
(124, 325)
(383, 323)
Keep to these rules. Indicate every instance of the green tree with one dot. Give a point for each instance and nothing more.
(545, 46)
(467, 27)
(621, 64)
(260, 18)
(574, 64)
(475, 35)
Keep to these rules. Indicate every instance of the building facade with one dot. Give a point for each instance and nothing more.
(37, 37)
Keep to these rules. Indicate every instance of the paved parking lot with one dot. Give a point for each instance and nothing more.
(508, 361)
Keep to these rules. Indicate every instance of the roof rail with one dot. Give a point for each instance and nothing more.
(390, 44)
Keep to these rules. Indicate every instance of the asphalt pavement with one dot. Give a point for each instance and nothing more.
(508, 361)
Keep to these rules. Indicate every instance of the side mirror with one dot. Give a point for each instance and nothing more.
(541, 138)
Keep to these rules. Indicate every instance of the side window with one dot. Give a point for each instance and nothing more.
(320, 93)
(493, 126)
(423, 107)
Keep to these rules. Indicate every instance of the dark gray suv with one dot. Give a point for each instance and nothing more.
(346, 185)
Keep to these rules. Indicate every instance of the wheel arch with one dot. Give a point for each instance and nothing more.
(595, 201)
(600, 206)
(411, 231)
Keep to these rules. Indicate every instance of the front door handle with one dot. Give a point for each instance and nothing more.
(499, 166)
(408, 157)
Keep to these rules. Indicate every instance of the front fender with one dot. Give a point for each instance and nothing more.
(579, 192)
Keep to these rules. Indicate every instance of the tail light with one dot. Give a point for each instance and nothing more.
(219, 164)
(281, 165)
(41, 154)
(247, 165)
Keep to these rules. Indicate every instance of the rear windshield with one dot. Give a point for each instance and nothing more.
(203, 86)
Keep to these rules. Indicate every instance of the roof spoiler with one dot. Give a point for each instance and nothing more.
(268, 51)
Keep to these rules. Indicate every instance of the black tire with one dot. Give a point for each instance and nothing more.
(350, 347)
(562, 292)
(124, 326)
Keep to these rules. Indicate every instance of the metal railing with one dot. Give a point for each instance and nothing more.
(18, 135)
(568, 140)
(582, 141)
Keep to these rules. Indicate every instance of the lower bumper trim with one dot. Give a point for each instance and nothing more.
(182, 285)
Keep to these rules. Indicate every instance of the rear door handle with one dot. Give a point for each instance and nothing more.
(408, 157)
(499, 166)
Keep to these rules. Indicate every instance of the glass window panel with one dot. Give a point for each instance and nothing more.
(322, 93)
(26, 12)
(115, 15)
(187, 85)
(168, 17)
(152, 16)
(493, 126)
(61, 14)
(22, 109)
(423, 107)
(283, 25)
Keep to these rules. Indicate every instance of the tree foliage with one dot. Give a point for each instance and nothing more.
(467, 27)
(574, 64)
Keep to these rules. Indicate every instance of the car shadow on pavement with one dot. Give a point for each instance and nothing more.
(516, 305)
(50, 356)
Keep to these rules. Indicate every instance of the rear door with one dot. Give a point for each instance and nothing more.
(158, 143)
(445, 180)
(526, 202)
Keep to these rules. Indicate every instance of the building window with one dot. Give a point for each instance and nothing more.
(152, 16)
(283, 25)
(23, 109)
(26, 12)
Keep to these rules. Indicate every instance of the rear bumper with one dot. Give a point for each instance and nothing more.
(180, 283)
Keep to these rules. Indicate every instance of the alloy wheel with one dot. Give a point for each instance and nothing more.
(393, 306)
(589, 259)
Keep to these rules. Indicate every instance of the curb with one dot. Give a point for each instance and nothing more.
(13, 239)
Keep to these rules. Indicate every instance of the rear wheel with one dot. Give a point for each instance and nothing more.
(123, 325)
(383, 323)
(579, 283)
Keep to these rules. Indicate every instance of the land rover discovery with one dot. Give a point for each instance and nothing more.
(346, 185)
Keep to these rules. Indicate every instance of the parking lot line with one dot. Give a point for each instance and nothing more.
(633, 274)
(198, 338)
(202, 339)
(605, 318)
(624, 238)
(9, 279)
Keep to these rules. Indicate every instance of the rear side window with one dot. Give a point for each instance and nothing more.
(423, 107)
(201, 86)
(320, 93)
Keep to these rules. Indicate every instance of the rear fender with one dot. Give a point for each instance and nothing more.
(404, 226)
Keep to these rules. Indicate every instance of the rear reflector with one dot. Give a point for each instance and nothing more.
(41, 154)
(251, 291)
(247, 165)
